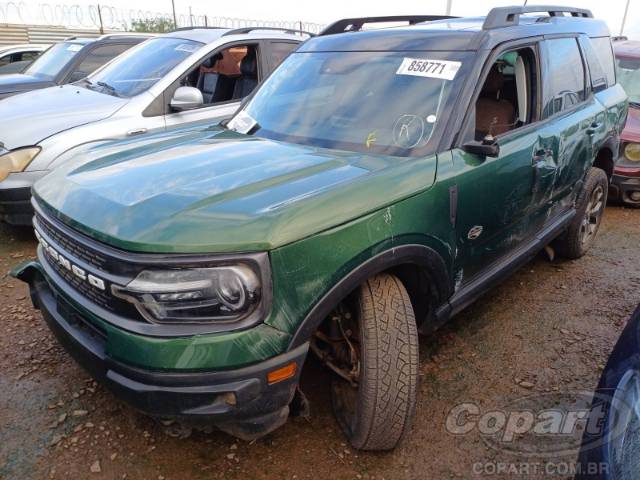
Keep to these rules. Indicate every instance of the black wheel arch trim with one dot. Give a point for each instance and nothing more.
(420, 255)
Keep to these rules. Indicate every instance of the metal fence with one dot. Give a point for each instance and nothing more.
(98, 16)
(11, 34)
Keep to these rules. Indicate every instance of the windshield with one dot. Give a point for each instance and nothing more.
(387, 103)
(51, 62)
(141, 67)
(628, 71)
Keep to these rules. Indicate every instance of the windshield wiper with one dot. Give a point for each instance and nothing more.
(106, 86)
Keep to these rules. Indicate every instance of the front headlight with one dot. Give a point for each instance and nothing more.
(194, 295)
(632, 152)
(16, 161)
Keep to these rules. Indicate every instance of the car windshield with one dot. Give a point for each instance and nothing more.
(628, 71)
(141, 67)
(51, 62)
(387, 103)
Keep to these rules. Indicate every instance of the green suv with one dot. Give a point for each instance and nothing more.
(376, 184)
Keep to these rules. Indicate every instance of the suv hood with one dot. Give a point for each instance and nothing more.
(28, 119)
(19, 82)
(224, 192)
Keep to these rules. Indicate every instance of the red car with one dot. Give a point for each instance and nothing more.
(626, 179)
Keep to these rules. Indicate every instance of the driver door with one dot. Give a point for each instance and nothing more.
(500, 205)
(224, 75)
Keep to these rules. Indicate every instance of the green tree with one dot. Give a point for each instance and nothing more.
(153, 25)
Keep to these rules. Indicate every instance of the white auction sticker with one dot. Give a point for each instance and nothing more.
(423, 67)
(242, 123)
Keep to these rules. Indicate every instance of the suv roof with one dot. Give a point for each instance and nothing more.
(461, 34)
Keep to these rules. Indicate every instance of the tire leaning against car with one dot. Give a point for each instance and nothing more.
(388, 380)
(590, 205)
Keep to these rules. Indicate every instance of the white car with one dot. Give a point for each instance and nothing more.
(185, 77)
(14, 58)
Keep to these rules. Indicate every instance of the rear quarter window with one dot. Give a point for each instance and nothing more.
(604, 51)
(599, 79)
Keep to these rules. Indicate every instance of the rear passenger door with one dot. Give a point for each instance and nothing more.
(571, 119)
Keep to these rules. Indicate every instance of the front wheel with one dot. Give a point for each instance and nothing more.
(376, 406)
(590, 206)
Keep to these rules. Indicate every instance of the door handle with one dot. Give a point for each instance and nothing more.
(593, 128)
(541, 155)
(136, 131)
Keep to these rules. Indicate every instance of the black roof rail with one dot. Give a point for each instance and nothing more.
(500, 17)
(355, 24)
(243, 30)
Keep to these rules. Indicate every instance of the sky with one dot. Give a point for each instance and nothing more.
(325, 11)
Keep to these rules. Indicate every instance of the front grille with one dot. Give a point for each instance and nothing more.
(72, 246)
(90, 259)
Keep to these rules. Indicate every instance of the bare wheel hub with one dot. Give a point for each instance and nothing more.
(592, 215)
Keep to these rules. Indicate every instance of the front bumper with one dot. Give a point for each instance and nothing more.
(15, 197)
(240, 402)
(623, 186)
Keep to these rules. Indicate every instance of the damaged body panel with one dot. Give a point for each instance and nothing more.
(192, 273)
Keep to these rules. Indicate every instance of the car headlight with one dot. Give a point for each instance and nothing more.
(16, 160)
(193, 295)
(632, 152)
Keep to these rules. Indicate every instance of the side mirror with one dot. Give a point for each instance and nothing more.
(488, 147)
(186, 98)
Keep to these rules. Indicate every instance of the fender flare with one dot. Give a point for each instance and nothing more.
(419, 255)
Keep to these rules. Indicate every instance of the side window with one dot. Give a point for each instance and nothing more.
(227, 75)
(278, 51)
(604, 51)
(28, 56)
(97, 58)
(507, 100)
(5, 60)
(566, 86)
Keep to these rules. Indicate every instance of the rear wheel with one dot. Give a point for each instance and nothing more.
(590, 206)
(371, 343)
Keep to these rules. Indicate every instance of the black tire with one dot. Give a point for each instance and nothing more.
(590, 206)
(377, 413)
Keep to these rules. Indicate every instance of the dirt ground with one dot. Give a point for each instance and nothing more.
(548, 328)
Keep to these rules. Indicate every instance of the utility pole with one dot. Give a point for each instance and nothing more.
(190, 16)
(624, 18)
(175, 18)
(449, 5)
(100, 18)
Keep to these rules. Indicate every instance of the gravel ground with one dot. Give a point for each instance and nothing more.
(549, 328)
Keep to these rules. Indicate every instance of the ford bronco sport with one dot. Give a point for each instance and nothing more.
(376, 184)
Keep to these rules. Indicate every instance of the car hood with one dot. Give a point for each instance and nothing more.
(19, 82)
(28, 119)
(631, 132)
(224, 192)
